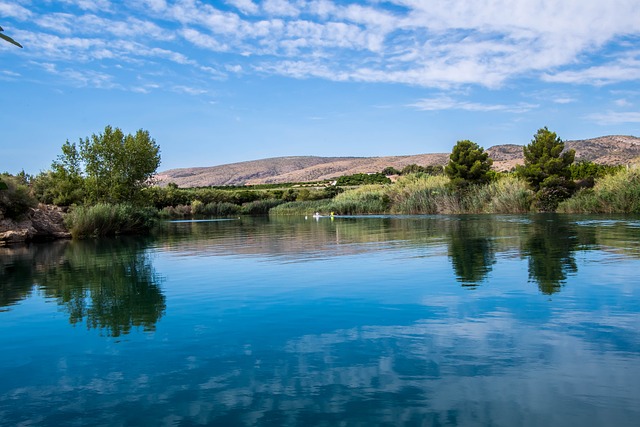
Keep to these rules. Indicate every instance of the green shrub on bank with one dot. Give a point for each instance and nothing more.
(15, 198)
(367, 199)
(618, 193)
(307, 207)
(260, 207)
(104, 219)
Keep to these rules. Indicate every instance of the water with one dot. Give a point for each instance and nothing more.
(361, 321)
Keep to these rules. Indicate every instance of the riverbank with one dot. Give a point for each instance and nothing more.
(42, 223)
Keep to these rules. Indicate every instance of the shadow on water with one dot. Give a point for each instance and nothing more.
(108, 284)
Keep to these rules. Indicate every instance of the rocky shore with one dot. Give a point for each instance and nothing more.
(46, 222)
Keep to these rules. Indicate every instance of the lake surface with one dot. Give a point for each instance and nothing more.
(355, 321)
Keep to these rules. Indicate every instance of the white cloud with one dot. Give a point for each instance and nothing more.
(622, 103)
(447, 103)
(437, 44)
(280, 8)
(245, 6)
(564, 100)
(189, 90)
(12, 10)
(615, 118)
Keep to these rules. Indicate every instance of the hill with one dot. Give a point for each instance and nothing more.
(613, 150)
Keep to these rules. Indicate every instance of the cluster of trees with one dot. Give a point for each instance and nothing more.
(547, 168)
(414, 168)
(363, 179)
(109, 167)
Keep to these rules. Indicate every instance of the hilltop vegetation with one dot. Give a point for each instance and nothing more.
(606, 150)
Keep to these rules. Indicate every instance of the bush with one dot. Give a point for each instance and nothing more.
(15, 198)
(618, 193)
(260, 207)
(367, 199)
(307, 207)
(104, 219)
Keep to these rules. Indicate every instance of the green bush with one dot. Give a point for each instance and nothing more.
(307, 207)
(367, 199)
(260, 207)
(15, 197)
(104, 219)
(617, 193)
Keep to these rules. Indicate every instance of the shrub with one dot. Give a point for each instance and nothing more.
(104, 219)
(307, 207)
(260, 207)
(367, 199)
(15, 198)
(618, 193)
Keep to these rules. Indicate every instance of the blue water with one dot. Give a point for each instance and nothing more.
(445, 320)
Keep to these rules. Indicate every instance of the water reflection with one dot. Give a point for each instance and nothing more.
(109, 284)
(471, 251)
(550, 246)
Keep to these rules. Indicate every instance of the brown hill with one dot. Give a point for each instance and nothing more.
(606, 150)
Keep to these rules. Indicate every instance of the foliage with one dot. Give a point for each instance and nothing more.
(390, 170)
(260, 207)
(307, 207)
(468, 164)
(9, 39)
(109, 167)
(367, 199)
(15, 197)
(363, 179)
(104, 219)
(588, 170)
(412, 168)
(545, 163)
(546, 169)
(617, 193)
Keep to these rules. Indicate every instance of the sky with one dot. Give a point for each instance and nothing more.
(218, 82)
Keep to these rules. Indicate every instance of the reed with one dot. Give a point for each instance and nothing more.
(617, 193)
(104, 219)
(307, 207)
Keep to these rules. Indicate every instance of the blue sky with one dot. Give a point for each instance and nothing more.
(216, 82)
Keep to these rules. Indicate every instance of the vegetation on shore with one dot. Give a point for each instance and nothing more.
(105, 182)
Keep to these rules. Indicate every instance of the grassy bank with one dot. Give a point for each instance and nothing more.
(617, 193)
(105, 219)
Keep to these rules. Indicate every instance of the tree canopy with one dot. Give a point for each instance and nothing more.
(108, 167)
(468, 164)
(546, 164)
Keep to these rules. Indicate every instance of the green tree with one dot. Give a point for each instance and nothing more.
(390, 170)
(546, 169)
(118, 166)
(9, 39)
(412, 168)
(468, 164)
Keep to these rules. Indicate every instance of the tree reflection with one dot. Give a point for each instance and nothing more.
(550, 247)
(109, 284)
(472, 253)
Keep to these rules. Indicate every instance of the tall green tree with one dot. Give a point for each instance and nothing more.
(468, 164)
(108, 167)
(118, 166)
(547, 169)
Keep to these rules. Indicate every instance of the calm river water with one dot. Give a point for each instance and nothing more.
(355, 321)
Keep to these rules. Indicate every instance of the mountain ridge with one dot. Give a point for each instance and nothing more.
(611, 149)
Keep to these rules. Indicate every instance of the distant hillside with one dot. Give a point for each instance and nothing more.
(606, 150)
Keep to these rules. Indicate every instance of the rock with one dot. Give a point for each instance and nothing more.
(46, 222)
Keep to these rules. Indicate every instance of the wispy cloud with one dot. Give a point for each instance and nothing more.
(430, 44)
(615, 118)
(448, 103)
